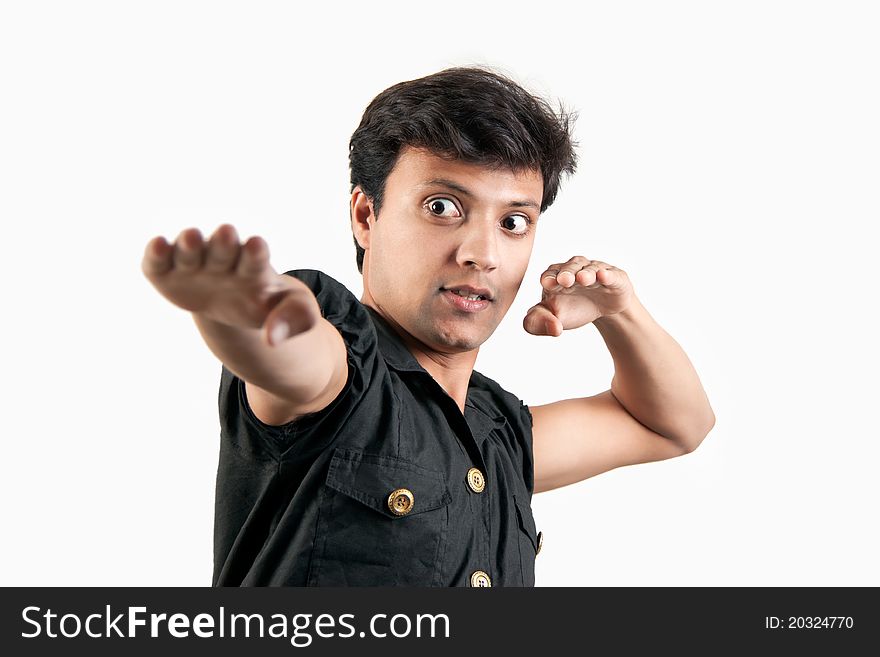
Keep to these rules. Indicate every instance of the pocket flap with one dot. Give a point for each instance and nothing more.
(370, 479)
(526, 520)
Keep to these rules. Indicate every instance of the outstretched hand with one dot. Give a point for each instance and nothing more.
(230, 283)
(577, 292)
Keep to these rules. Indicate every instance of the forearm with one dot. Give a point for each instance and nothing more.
(296, 370)
(653, 377)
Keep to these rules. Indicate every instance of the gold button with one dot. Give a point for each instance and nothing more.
(475, 480)
(400, 502)
(540, 542)
(479, 578)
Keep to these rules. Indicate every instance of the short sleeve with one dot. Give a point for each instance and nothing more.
(243, 430)
(526, 424)
(526, 414)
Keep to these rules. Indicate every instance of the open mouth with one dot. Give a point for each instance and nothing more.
(465, 302)
(465, 295)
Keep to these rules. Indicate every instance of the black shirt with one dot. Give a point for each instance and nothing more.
(389, 485)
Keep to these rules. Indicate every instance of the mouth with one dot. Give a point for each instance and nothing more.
(465, 300)
(470, 293)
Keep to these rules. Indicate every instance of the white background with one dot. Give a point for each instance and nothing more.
(729, 163)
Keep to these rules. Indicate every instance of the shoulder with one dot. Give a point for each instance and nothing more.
(324, 286)
(350, 317)
(340, 307)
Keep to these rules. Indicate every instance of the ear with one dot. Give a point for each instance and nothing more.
(362, 217)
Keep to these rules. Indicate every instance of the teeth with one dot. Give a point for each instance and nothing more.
(471, 297)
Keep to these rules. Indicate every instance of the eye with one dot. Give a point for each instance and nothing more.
(441, 205)
(525, 224)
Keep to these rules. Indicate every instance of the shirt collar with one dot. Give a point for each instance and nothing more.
(487, 415)
(399, 357)
(393, 349)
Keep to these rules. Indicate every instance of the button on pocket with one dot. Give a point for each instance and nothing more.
(383, 521)
(400, 501)
(528, 540)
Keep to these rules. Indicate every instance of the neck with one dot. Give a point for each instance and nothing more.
(451, 370)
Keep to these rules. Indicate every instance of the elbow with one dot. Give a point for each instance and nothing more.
(697, 437)
(708, 424)
(691, 439)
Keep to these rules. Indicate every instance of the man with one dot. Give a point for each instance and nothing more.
(358, 444)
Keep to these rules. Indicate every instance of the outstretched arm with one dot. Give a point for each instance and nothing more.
(265, 327)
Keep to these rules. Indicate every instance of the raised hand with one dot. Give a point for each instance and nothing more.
(577, 292)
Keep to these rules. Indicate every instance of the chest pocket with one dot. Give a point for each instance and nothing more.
(382, 521)
(528, 540)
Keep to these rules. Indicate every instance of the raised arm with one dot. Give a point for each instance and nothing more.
(656, 408)
(265, 327)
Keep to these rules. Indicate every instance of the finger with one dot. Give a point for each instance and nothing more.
(254, 258)
(568, 272)
(223, 250)
(189, 250)
(603, 276)
(548, 278)
(540, 321)
(611, 277)
(158, 257)
(587, 275)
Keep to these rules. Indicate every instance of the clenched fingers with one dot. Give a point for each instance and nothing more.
(577, 270)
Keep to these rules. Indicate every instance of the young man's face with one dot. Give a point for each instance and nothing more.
(476, 229)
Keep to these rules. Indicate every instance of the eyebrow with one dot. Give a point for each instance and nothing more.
(525, 203)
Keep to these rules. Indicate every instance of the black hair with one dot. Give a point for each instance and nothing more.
(467, 113)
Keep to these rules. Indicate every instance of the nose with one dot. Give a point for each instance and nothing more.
(479, 245)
